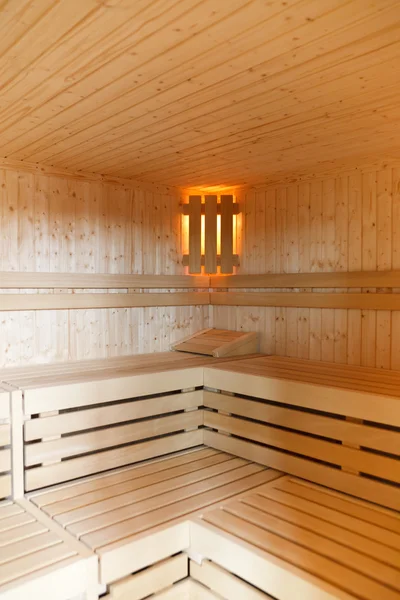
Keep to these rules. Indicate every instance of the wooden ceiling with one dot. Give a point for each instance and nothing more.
(199, 92)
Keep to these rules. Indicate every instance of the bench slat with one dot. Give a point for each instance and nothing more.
(113, 436)
(108, 415)
(310, 561)
(79, 467)
(367, 462)
(317, 424)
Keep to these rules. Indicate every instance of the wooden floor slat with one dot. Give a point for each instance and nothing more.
(121, 515)
(309, 560)
(160, 489)
(69, 491)
(331, 531)
(132, 484)
(297, 533)
(322, 497)
(352, 523)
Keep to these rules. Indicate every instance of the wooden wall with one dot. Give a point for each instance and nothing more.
(58, 224)
(343, 223)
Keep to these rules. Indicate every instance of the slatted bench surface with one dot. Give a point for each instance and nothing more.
(97, 370)
(34, 557)
(107, 512)
(335, 425)
(363, 379)
(292, 539)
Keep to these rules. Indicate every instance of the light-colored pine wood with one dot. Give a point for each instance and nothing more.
(194, 234)
(12, 302)
(219, 343)
(210, 234)
(191, 122)
(386, 302)
(226, 234)
(223, 582)
(39, 477)
(323, 426)
(151, 580)
(337, 238)
(36, 553)
(315, 530)
(48, 426)
(101, 281)
(306, 446)
(264, 570)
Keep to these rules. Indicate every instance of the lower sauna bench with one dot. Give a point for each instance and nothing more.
(138, 516)
(292, 539)
(38, 559)
(260, 477)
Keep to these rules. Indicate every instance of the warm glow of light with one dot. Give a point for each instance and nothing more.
(203, 235)
(185, 235)
(234, 234)
(218, 234)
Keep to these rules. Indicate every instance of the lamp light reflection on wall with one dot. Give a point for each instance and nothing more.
(209, 228)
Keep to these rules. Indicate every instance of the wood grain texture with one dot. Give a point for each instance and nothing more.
(386, 302)
(16, 302)
(58, 233)
(194, 234)
(210, 234)
(121, 90)
(333, 244)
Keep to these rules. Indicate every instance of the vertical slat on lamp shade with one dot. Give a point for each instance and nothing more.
(226, 234)
(211, 234)
(194, 234)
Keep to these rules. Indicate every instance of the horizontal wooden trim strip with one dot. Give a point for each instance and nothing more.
(235, 261)
(13, 302)
(308, 300)
(236, 209)
(16, 280)
(367, 279)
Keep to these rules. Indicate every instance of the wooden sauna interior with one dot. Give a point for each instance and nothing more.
(173, 171)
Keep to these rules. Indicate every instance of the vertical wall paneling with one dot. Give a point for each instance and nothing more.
(355, 264)
(395, 341)
(195, 234)
(369, 263)
(210, 240)
(341, 263)
(328, 263)
(384, 263)
(56, 224)
(281, 264)
(316, 265)
(346, 223)
(226, 234)
(303, 331)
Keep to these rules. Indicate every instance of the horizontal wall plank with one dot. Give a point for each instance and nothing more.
(11, 302)
(367, 279)
(308, 300)
(19, 279)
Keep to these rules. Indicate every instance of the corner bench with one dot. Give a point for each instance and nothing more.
(146, 461)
